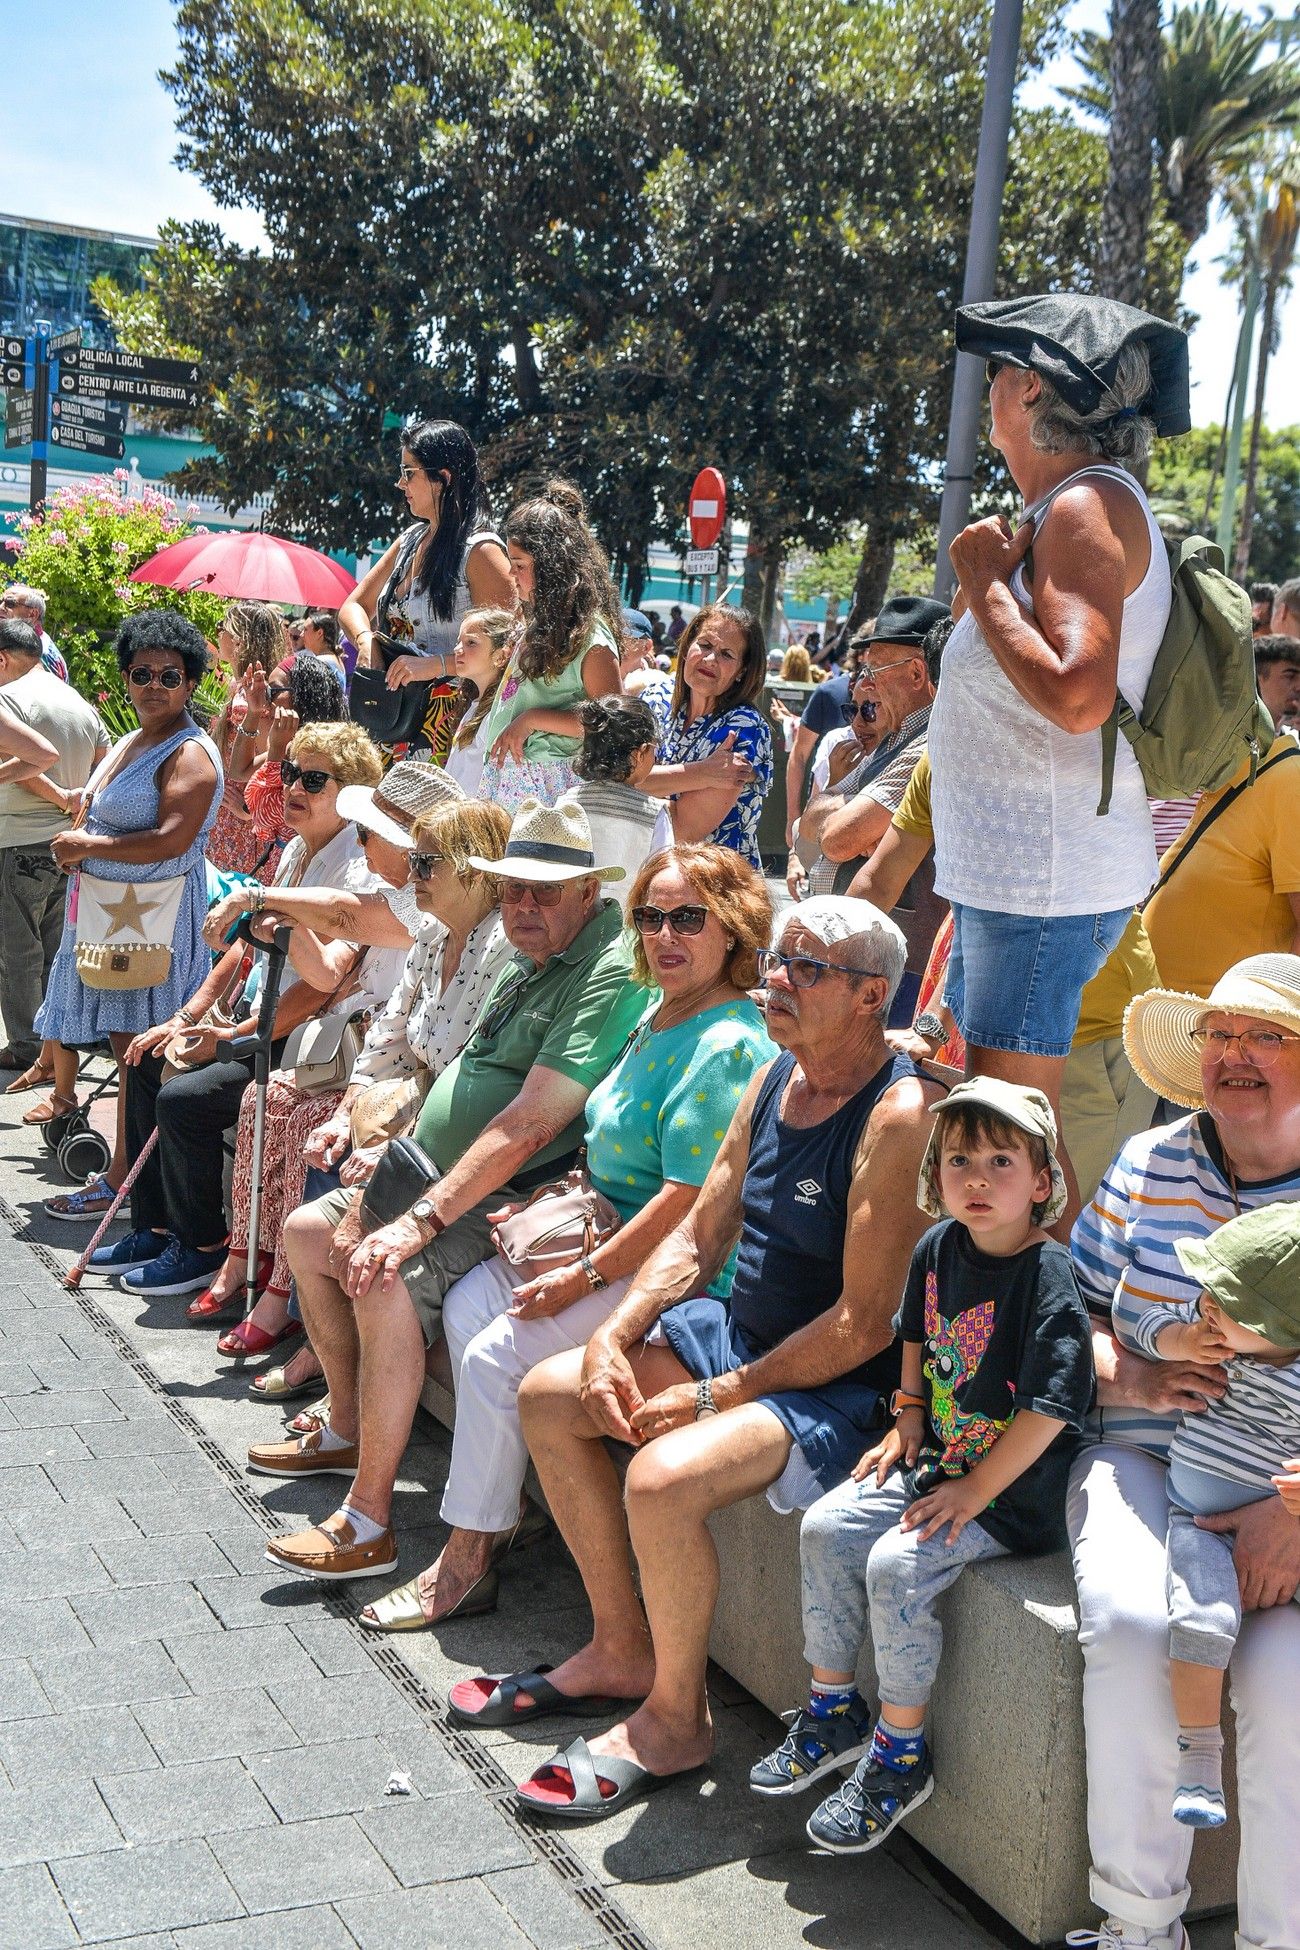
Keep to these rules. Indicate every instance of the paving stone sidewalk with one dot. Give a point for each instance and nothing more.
(194, 1750)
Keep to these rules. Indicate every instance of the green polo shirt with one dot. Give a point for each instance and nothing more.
(573, 1015)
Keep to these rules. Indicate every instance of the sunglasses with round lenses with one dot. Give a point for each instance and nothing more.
(682, 920)
(547, 893)
(312, 781)
(142, 677)
(423, 864)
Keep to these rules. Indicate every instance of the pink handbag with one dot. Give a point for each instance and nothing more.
(560, 1224)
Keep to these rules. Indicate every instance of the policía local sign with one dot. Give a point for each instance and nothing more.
(128, 365)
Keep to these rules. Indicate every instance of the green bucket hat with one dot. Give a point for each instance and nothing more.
(1251, 1266)
(1027, 1109)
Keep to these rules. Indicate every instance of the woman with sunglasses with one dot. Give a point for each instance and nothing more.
(146, 814)
(701, 917)
(459, 950)
(405, 614)
(179, 1240)
(303, 689)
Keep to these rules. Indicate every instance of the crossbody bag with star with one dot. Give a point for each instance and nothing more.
(124, 928)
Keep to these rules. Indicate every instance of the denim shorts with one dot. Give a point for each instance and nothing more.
(1015, 980)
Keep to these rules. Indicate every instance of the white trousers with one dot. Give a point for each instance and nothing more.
(1118, 1516)
(490, 1355)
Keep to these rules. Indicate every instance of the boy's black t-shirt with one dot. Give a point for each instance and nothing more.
(999, 1335)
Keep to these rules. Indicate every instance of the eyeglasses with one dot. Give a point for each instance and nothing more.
(142, 677)
(311, 781)
(547, 893)
(682, 920)
(992, 367)
(276, 691)
(405, 473)
(363, 833)
(1262, 1047)
(423, 864)
(872, 671)
(804, 971)
(867, 710)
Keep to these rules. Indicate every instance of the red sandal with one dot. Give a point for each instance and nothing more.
(205, 1308)
(248, 1338)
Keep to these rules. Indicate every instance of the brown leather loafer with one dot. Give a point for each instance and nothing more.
(332, 1551)
(302, 1457)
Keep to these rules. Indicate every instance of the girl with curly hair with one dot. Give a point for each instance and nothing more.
(565, 651)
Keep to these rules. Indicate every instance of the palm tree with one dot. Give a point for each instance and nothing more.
(1225, 80)
(1279, 231)
(1134, 74)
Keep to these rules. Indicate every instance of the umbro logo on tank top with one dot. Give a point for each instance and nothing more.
(807, 1192)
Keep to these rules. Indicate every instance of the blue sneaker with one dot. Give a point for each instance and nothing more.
(177, 1269)
(813, 1748)
(137, 1249)
(865, 1810)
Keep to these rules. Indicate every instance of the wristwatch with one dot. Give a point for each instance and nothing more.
(424, 1215)
(930, 1027)
(704, 1402)
(900, 1399)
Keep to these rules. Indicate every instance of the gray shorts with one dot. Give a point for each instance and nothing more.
(430, 1274)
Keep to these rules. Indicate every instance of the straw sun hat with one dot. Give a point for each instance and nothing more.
(548, 843)
(1158, 1025)
(392, 807)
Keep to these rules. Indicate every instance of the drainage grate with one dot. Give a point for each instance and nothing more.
(495, 1784)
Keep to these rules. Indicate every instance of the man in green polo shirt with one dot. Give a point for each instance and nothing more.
(505, 1117)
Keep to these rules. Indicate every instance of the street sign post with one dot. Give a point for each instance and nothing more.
(701, 562)
(90, 413)
(707, 514)
(20, 419)
(127, 365)
(87, 440)
(102, 385)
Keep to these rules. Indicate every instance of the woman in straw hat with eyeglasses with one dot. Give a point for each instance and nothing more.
(1233, 1059)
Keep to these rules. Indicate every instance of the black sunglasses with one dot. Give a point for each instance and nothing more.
(312, 781)
(274, 691)
(682, 920)
(867, 710)
(142, 677)
(423, 864)
(363, 832)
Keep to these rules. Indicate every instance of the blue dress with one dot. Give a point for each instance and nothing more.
(683, 743)
(72, 1013)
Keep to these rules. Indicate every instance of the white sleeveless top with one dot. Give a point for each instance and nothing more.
(1015, 798)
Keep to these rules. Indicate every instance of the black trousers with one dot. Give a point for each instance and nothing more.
(179, 1189)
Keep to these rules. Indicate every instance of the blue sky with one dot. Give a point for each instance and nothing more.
(105, 157)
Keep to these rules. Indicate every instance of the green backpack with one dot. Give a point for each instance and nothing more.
(1202, 714)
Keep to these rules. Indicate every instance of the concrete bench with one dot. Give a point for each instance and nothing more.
(1008, 1814)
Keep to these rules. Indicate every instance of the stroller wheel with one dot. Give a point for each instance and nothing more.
(83, 1153)
(58, 1128)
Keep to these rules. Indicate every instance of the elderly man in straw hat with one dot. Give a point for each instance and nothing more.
(1233, 1058)
(772, 1392)
(501, 1120)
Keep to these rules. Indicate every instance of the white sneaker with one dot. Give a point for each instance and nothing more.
(1116, 1934)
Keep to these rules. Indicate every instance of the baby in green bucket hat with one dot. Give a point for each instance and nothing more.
(1247, 1318)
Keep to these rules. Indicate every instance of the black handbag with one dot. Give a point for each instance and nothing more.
(404, 1173)
(390, 717)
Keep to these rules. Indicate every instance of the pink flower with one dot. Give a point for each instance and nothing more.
(120, 474)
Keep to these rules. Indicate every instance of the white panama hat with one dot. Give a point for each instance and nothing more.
(1158, 1025)
(548, 843)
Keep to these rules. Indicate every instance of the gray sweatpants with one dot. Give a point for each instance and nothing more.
(1202, 1591)
(32, 897)
(857, 1563)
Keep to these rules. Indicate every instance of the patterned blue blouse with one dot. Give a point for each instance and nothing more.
(682, 744)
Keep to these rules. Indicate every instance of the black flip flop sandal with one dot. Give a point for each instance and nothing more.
(586, 1770)
(499, 1708)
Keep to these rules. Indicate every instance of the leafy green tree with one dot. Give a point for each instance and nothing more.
(81, 550)
(1184, 488)
(1134, 77)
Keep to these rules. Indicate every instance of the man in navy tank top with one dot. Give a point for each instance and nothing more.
(771, 1392)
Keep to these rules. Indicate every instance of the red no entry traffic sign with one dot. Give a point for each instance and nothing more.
(707, 508)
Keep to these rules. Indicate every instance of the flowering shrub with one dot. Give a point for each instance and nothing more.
(80, 551)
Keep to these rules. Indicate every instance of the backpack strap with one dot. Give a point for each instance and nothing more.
(1170, 867)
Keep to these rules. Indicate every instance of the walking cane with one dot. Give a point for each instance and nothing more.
(258, 1046)
(75, 1274)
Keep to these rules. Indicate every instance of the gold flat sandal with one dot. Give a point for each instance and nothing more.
(401, 1610)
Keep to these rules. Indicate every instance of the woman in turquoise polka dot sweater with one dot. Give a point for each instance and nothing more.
(699, 915)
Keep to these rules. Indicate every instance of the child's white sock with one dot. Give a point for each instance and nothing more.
(364, 1528)
(1198, 1798)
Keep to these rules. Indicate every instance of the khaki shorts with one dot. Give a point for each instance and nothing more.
(429, 1275)
(1103, 1104)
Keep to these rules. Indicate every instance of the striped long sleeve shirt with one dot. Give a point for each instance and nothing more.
(1165, 1185)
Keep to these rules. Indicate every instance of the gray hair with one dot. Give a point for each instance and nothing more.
(1287, 595)
(874, 946)
(1114, 430)
(22, 592)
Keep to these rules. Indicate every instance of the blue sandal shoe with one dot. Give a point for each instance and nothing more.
(864, 1812)
(82, 1207)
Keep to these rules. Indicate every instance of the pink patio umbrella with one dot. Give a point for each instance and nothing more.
(247, 563)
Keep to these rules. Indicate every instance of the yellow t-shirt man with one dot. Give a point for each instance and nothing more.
(1238, 891)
